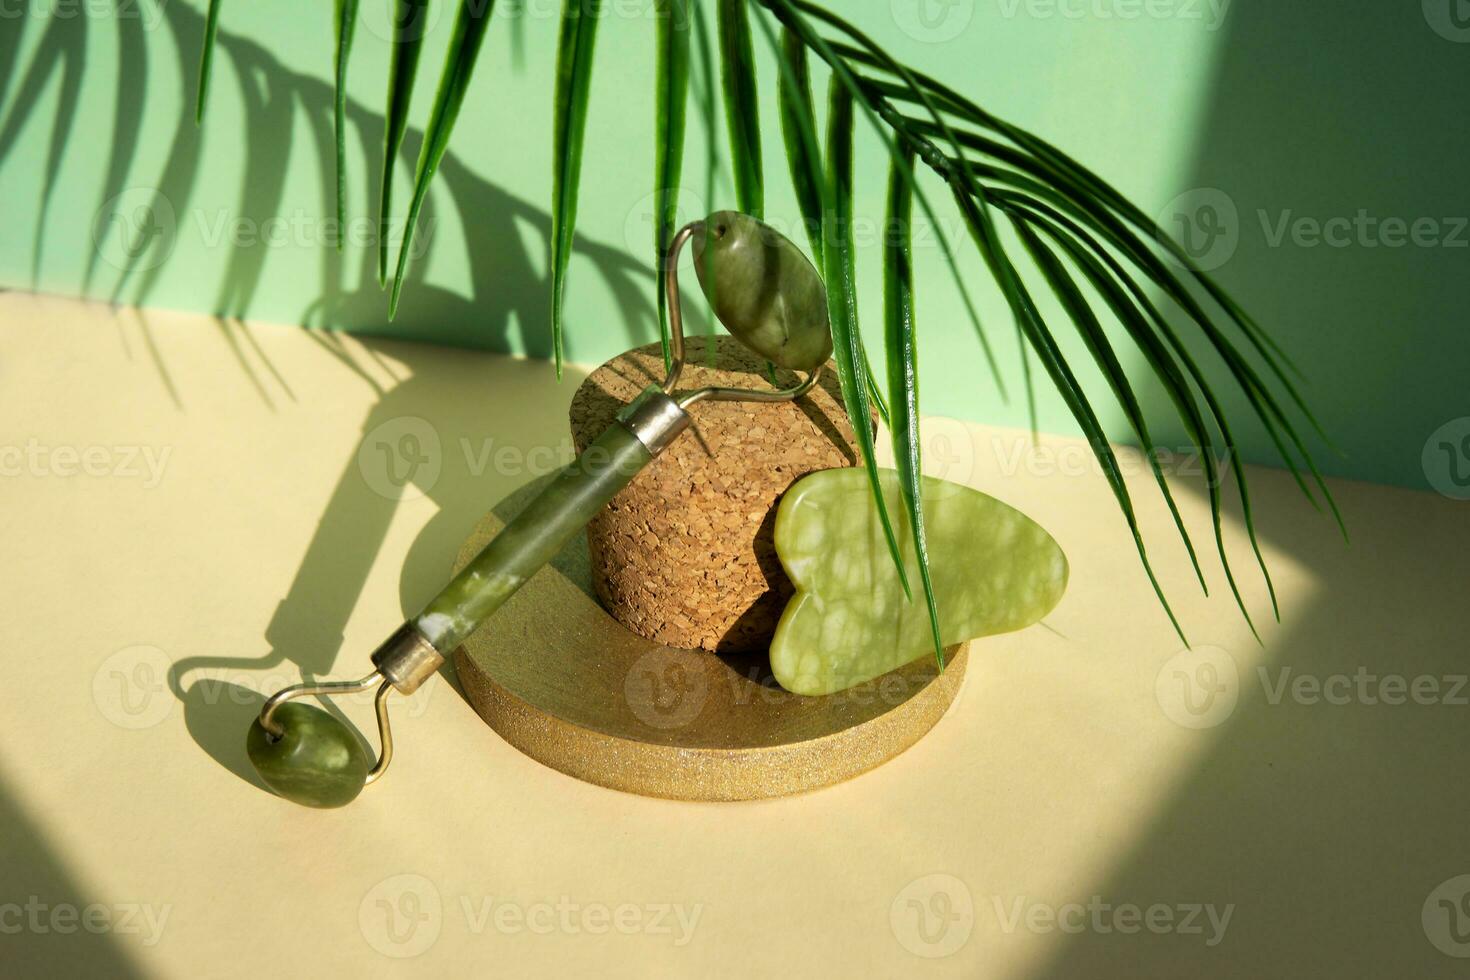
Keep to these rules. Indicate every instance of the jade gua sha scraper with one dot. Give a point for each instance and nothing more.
(770, 298)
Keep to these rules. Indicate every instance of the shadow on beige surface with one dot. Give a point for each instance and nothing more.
(1326, 825)
(475, 465)
(38, 886)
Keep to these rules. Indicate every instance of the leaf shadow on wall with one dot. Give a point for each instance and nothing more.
(137, 223)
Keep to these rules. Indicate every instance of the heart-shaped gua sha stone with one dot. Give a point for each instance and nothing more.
(994, 571)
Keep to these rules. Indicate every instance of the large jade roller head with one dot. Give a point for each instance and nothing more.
(767, 295)
(763, 289)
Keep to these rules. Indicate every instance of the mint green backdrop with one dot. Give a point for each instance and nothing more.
(1313, 152)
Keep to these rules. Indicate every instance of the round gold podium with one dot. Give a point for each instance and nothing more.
(565, 683)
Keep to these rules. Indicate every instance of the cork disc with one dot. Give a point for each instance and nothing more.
(568, 685)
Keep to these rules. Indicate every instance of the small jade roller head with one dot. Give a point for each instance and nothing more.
(311, 757)
(763, 289)
(315, 760)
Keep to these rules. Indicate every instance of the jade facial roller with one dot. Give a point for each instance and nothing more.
(767, 295)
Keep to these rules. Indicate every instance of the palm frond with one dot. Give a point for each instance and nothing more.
(670, 105)
(795, 97)
(409, 18)
(569, 122)
(206, 59)
(742, 105)
(903, 375)
(794, 94)
(1068, 220)
(346, 27)
(459, 67)
(1101, 349)
(841, 275)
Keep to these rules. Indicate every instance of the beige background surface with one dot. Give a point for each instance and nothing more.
(146, 610)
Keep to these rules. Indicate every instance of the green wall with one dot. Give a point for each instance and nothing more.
(1293, 113)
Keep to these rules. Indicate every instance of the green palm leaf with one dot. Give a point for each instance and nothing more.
(1136, 312)
(1054, 362)
(206, 59)
(1100, 348)
(742, 106)
(794, 92)
(574, 57)
(1274, 420)
(410, 18)
(786, 12)
(903, 374)
(1066, 217)
(795, 98)
(459, 67)
(841, 274)
(670, 103)
(346, 24)
(1067, 171)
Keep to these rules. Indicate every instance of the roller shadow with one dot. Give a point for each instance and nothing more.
(423, 439)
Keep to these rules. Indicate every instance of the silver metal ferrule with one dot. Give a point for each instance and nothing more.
(655, 419)
(406, 660)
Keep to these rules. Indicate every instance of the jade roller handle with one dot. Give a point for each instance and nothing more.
(535, 536)
(311, 758)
